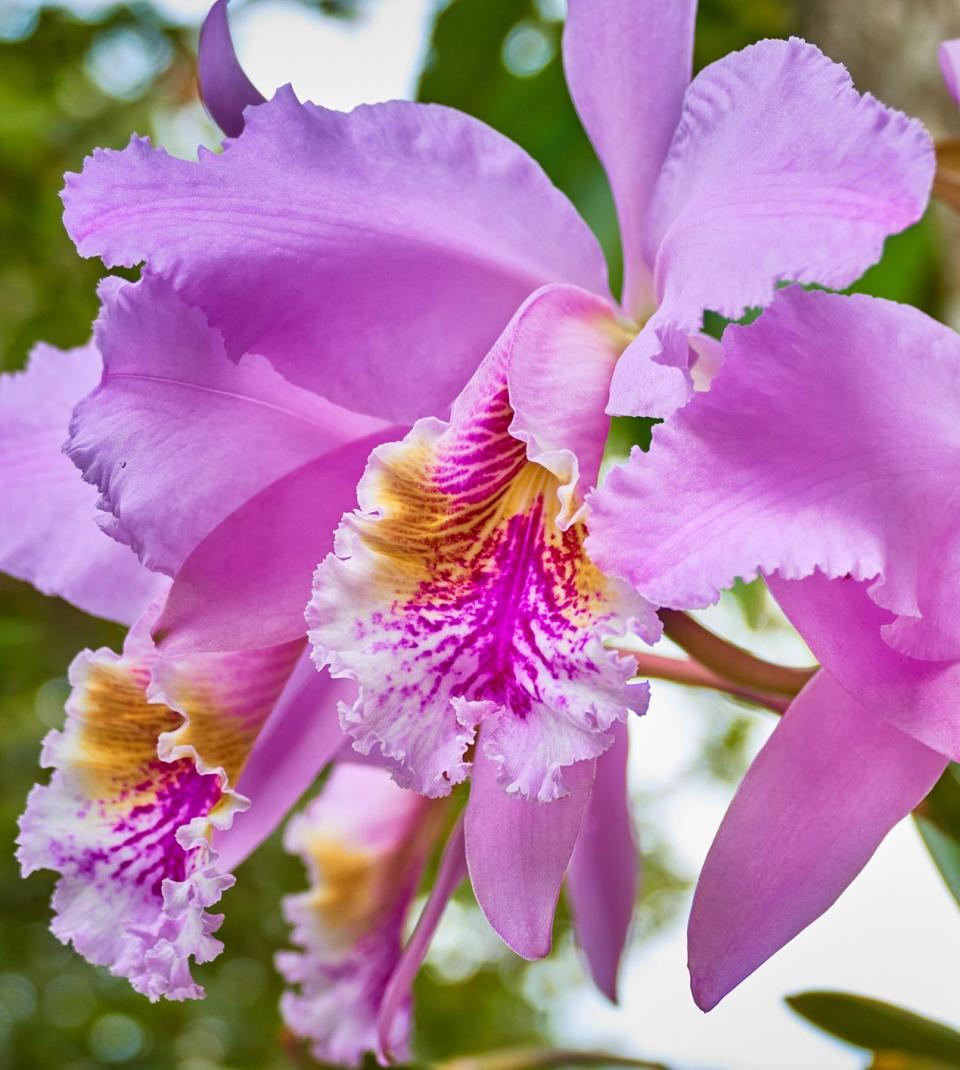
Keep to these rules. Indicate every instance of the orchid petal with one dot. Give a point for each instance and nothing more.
(827, 441)
(224, 87)
(48, 534)
(560, 350)
(843, 627)
(949, 56)
(177, 437)
(831, 782)
(144, 772)
(364, 843)
(628, 64)
(779, 170)
(370, 256)
(604, 871)
(450, 872)
(247, 582)
(299, 738)
(456, 596)
(518, 852)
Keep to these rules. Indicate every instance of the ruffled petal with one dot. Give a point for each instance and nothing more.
(177, 436)
(628, 64)
(224, 87)
(456, 596)
(372, 256)
(831, 782)
(779, 170)
(604, 872)
(827, 441)
(247, 582)
(48, 534)
(560, 351)
(364, 842)
(844, 628)
(518, 852)
(143, 773)
(949, 56)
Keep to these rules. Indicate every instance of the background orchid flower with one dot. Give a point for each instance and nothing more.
(364, 842)
(825, 458)
(158, 753)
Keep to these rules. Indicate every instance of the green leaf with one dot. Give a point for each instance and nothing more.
(881, 1027)
(944, 850)
(938, 819)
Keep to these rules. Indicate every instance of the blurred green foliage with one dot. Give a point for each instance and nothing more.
(68, 84)
(899, 1037)
(938, 818)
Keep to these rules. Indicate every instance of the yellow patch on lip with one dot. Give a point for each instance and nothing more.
(221, 741)
(353, 887)
(442, 505)
(116, 749)
(116, 746)
(347, 897)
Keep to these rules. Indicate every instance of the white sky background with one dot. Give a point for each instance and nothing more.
(893, 935)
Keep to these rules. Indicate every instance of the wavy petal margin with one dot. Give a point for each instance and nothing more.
(143, 774)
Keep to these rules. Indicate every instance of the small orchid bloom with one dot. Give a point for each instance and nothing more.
(824, 457)
(158, 754)
(364, 842)
(144, 772)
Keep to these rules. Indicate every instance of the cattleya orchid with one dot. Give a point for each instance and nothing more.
(459, 596)
(334, 284)
(364, 842)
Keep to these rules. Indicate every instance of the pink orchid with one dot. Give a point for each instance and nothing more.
(158, 753)
(824, 457)
(364, 843)
(459, 597)
(306, 295)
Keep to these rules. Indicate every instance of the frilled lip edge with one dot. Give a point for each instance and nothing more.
(153, 954)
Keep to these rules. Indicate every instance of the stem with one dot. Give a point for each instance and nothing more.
(542, 1059)
(693, 674)
(730, 661)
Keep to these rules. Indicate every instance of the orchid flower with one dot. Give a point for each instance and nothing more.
(158, 753)
(306, 295)
(459, 596)
(364, 842)
(824, 457)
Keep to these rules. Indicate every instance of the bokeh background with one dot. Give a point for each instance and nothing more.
(87, 73)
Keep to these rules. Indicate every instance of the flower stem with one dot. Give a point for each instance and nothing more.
(695, 675)
(731, 662)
